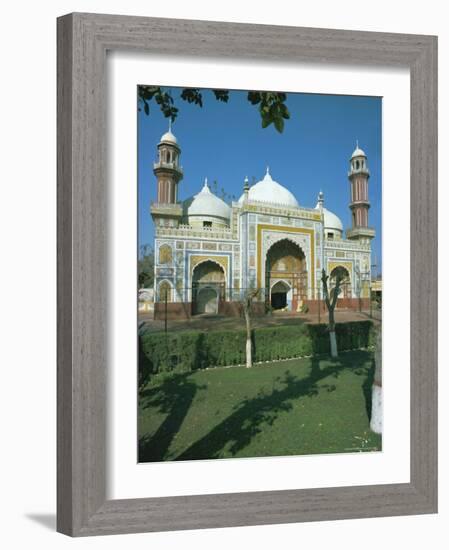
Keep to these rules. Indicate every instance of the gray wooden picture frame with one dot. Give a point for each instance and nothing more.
(83, 40)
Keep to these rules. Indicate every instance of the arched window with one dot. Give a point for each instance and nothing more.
(168, 156)
(165, 291)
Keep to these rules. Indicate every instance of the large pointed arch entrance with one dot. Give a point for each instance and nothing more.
(286, 276)
(208, 287)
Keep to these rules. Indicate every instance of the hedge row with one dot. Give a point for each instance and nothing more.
(188, 351)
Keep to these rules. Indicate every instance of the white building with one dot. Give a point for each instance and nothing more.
(207, 252)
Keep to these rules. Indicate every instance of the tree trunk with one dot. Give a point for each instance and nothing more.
(376, 390)
(332, 335)
(249, 358)
(333, 339)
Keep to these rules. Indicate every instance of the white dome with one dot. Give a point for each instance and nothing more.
(168, 137)
(358, 152)
(331, 220)
(270, 191)
(205, 203)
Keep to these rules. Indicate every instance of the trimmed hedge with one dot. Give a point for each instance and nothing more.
(188, 351)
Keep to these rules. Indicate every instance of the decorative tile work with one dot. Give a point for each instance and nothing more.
(165, 254)
(220, 260)
(209, 246)
(164, 272)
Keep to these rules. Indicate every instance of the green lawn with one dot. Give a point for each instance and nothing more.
(300, 406)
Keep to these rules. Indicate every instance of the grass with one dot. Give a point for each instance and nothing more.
(295, 407)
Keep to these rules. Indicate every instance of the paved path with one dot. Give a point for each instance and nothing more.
(218, 322)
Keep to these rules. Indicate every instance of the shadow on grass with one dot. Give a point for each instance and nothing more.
(250, 416)
(173, 397)
(367, 385)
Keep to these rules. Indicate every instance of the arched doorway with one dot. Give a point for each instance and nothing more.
(208, 287)
(280, 295)
(345, 284)
(286, 275)
(207, 300)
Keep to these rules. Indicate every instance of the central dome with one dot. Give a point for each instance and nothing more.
(270, 191)
(205, 203)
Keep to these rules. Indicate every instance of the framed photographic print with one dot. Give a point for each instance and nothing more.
(247, 274)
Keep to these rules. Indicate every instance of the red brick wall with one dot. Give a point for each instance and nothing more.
(342, 303)
(178, 310)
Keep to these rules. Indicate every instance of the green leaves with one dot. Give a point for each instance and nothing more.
(271, 105)
(221, 95)
(192, 95)
(272, 108)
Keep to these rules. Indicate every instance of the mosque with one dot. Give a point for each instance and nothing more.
(209, 253)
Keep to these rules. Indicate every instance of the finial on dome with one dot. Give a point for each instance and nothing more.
(205, 186)
(169, 124)
(320, 196)
(246, 183)
(268, 171)
(356, 143)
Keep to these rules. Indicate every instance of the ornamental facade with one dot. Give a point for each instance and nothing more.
(209, 253)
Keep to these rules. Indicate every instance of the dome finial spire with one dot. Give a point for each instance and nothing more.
(320, 200)
(357, 143)
(268, 171)
(169, 124)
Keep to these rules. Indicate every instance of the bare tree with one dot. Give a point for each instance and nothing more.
(246, 303)
(376, 390)
(330, 299)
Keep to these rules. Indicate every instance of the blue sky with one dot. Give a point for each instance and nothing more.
(225, 142)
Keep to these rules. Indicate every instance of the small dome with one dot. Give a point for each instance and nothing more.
(205, 203)
(168, 137)
(270, 191)
(358, 152)
(331, 220)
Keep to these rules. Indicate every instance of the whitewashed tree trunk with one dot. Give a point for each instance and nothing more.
(333, 340)
(376, 391)
(249, 358)
(376, 409)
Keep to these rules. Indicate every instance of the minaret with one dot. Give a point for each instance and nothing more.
(167, 169)
(166, 211)
(358, 176)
